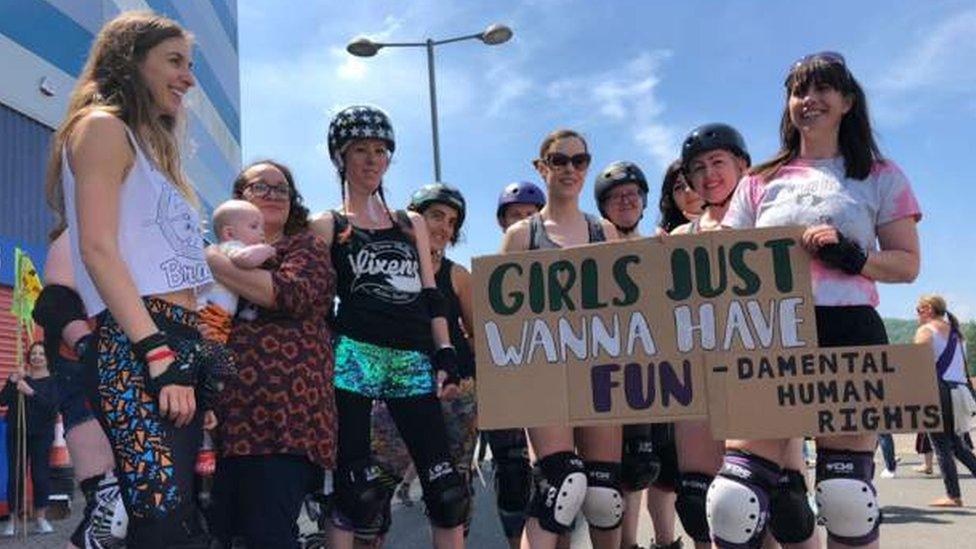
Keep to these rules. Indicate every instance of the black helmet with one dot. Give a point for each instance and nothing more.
(439, 193)
(616, 174)
(711, 137)
(358, 122)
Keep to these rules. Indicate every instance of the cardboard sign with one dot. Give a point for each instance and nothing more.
(822, 392)
(718, 325)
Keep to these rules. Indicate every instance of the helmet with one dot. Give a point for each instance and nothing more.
(521, 192)
(358, 122)
(710, 137)
(618, 173)
(438, 193)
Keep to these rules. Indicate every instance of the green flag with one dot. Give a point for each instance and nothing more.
(27, 286)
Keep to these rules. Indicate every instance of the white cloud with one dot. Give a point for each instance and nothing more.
(628, 96)
(936, 67)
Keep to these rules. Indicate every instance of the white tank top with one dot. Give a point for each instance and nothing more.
(957, 370)
(160, 237)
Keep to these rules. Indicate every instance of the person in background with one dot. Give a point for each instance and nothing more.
(32, 407)
(69, 341)
(649, 460)
(509, 449)
(939, 328)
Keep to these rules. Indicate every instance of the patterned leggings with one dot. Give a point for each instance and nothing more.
(154, 459)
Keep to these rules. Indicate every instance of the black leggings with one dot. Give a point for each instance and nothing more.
(949, 446)
(38, 448)
(419, 420)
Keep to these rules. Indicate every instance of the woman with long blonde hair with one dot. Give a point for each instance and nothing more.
(939, 328)
(115, 181)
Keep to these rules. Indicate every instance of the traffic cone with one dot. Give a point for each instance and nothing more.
(62, 475)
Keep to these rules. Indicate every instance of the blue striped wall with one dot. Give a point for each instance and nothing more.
(54, 37)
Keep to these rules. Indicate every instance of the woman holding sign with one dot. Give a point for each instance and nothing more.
(565, 483)
(713, 157)
(828, 176)
(393, 342)
(940, 329)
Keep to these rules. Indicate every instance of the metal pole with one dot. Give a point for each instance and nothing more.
(433, 110)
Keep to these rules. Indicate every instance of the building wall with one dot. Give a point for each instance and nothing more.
(43, 46)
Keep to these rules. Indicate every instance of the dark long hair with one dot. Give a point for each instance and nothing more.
(855, 137)
(671, 217)
(297, 212)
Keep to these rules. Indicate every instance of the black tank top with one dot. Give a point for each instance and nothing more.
(465, 356)
(378, 285)
(539, 238)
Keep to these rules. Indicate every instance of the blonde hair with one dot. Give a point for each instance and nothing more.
(112, 82)
(230, 212)
(938, 305)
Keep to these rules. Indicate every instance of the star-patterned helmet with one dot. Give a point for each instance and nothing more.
(358, 122)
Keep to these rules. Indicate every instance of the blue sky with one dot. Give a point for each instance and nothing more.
(634, 77)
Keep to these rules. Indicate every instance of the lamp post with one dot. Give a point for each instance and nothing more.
(364, 47)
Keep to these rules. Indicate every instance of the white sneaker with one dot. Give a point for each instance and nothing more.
(43, 527)
(11, 528)
(887, 473)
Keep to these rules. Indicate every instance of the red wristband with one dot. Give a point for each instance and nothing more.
(159, 354)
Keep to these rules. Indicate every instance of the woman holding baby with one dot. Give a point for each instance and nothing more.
(277, 417)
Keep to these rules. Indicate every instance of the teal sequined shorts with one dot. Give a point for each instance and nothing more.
(381, 372)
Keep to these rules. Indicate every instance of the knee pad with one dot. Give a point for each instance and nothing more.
(690, 505)
(846, 498)
(558, 491)
(603, 505)
(362, 490)
(447, 495)
(737, 505)
(639, 464)
(792, 518)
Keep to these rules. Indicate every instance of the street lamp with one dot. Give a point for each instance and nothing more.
(493, 35)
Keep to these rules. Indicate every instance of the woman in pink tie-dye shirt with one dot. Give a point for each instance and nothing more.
(860, 216)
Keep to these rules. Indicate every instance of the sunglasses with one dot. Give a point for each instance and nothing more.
(558, 160)
(828, 56)
(269, 192)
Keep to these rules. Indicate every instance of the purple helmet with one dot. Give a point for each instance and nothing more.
(521, 192)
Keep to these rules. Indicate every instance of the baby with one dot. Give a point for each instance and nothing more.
(239, 227)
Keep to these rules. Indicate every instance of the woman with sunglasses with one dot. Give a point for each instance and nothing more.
(393, 341)
(713, 158)
(565, 483)
(828, 176)
(277, 427)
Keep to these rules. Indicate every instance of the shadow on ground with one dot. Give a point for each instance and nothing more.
(899, 514)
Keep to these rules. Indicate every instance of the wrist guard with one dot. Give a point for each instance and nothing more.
(445, 359)
(844, 255)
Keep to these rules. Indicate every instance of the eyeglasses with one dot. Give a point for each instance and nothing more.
(828, 56)
(626, 196)
(558, 160)
(269, 192)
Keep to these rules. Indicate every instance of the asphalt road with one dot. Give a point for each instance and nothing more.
(908, 522)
